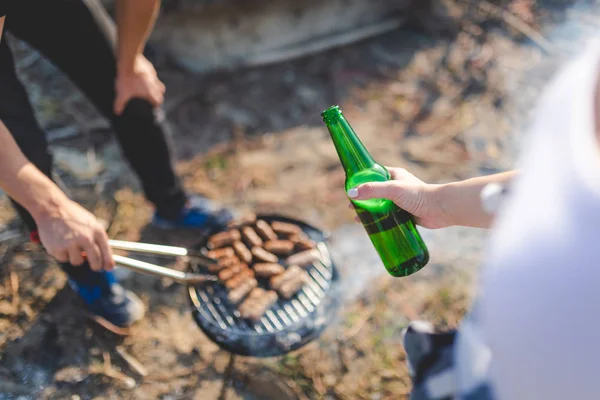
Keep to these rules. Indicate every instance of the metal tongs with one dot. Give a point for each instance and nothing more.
(156, 270)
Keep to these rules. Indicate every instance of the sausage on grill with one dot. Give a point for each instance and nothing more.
(237, 294)
(291, 273)
(227, 273)
(242, 251)
(257, 303)
(265, 231)
(251, 237)
(285, 228)
(228, 261)
(240, 278)
(221, 253)
(263, 255)
(302, 242)
(293, 285)
(303, 258)
(265, 270)
(223, 239)
(281, 247)
(223, 263)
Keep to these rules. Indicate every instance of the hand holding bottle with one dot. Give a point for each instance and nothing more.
(410, 194)
(435, 206)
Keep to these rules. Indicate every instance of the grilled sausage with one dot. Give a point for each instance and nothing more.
(223, 239)
(240, 278)
(227, 273)
(229, 261)
(266, 270)
(242, 252)
(237, 294)
(297, 237)
(285, 228)
(255, 306)
(255, 295)
(281, 247)
(265, 231)
(291, 273)
(302, 242)
(251, 237)
(221, 253)
(304, 257)
(263, 255)
(252, 299)
(292, 286)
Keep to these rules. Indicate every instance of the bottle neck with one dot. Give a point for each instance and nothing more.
(352, 153)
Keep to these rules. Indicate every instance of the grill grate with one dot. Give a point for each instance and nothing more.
(289, 324)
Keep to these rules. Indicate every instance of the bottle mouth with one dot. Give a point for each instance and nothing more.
(332, 114)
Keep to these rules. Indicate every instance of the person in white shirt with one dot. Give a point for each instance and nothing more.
(532, 333)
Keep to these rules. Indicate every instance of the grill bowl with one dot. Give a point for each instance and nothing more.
(287, 326)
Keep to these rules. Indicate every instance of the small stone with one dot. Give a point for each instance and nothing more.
(22, 262)
(6, 308)
(70, 375)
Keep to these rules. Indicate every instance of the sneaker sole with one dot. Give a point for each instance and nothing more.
(104, 323)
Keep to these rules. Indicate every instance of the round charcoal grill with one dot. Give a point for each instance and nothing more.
(288, 325)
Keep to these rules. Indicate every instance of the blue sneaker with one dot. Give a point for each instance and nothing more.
(199, 212)
(106, 301)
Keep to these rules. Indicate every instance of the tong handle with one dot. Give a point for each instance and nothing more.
(158, 249)
(148, 248)
(151, 269)
(163, 272)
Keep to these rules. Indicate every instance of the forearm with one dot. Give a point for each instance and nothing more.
(461, 201)
(23, 182)
(135, 19)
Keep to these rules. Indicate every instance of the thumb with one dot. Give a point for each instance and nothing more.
(375, 190)
(119, 105)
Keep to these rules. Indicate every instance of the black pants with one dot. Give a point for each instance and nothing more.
(79, 43)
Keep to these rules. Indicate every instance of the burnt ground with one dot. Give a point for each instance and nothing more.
(444, 105)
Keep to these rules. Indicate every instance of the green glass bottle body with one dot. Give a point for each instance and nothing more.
(392, 230)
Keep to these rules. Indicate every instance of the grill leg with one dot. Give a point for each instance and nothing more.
(227, 377)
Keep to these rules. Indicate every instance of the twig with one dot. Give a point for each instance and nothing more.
(342, 358)
(170, 377)
(296, 389)
(115, 224)
(106, 360)
(107, 370)
(14, 286)
(359, 325)
(132, 361)
(318, 384)
(518, 24)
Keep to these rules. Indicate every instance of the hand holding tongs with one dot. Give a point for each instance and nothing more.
(156, 270)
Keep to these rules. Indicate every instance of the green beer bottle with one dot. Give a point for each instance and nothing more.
(391, 229)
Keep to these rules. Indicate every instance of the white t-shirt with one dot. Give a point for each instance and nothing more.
(535, 331)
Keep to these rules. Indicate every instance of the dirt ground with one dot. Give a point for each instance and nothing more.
(440, 104)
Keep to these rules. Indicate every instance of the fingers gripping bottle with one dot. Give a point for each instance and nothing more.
(392, 230)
